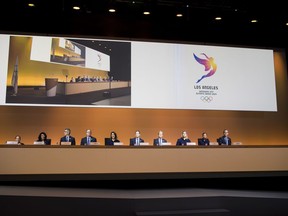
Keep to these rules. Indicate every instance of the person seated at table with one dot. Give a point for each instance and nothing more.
(159, 140)
(67, 137)
(18, 140)
(183, 140)
(137, 139)
(225, 139)
(88, 139)
(42, 137)
(204, 141)
(112, 139)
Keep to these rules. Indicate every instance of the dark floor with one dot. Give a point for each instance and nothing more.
(272, 183)
(233, 196)
(189, 197)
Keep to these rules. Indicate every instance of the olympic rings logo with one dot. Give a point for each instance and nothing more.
(207, 99)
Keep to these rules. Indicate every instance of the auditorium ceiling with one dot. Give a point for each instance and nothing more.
(235, 22)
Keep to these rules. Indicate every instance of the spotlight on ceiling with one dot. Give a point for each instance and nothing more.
(112, 6)
(76, 7)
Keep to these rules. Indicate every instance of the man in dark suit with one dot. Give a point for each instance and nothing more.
(67, 137)
(225, 139)
(136, 140)
(88, 138)
(204, 141)
(159, 140)
(183, 140)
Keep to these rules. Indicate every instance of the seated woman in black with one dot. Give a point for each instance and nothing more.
(43, 138)
(113, 138)
(183, 140)
(204, 140)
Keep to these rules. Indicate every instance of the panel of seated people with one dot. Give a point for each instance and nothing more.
(137, 140)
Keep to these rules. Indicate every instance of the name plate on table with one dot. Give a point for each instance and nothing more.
(214, 143)
(191, 143)
(144, 144)
(39, 143)
(166, 144)
(237, 143)
(94, 143)
(65, 143)
(12, 142)
(118, 144)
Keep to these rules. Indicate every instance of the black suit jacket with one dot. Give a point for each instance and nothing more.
(203, 141)
(182, 142)
(221, 141)
(84, 140)
(71, 139)
(133, 141)
(110, 142)
(46, 141)
(156, 141)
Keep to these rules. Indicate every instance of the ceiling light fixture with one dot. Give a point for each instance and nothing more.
(76, 7)
(112, 6)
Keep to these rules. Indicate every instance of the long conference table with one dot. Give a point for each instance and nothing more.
(71, 88)
(138, 161)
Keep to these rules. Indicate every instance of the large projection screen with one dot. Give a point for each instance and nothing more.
(154, 75)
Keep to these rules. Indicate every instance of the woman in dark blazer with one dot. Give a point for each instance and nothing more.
(182, 141)
(42, 137)
(113, 138)
(204, 141)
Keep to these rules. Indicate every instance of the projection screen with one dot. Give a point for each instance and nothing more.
(81, 72)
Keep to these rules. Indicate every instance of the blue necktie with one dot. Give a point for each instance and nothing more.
(88, 140)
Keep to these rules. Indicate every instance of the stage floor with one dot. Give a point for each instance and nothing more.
(19, 200)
